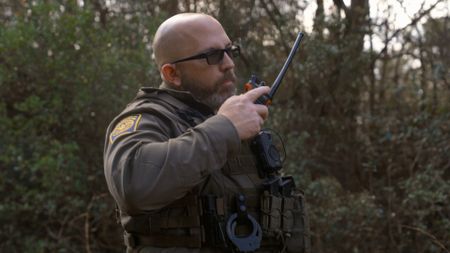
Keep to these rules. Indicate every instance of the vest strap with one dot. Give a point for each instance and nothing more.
(163, 241)
(175, 222)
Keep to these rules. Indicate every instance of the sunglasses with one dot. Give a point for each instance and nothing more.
(215, 56)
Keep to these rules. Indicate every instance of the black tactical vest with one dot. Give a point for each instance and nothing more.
(202, 217)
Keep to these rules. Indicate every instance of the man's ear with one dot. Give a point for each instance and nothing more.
(170, 74)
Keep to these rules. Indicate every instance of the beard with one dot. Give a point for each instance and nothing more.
(212, 96)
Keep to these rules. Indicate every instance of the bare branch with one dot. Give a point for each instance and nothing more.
(429, 235)
(341, 5)
(276, 22)
(412, 23)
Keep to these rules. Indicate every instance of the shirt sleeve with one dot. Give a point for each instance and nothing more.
(146, 169)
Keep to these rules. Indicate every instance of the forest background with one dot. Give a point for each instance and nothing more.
(364, 113)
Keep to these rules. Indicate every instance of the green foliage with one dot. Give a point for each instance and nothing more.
(376, 179)
(403, 206)
(366, 137)
(341, 219)
(63, 75)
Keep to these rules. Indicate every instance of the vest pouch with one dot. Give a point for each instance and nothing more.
(214, 221)
(296, 224)
(270, 218)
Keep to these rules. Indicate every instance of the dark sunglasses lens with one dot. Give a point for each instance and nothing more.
(214, 57)
(235, 51)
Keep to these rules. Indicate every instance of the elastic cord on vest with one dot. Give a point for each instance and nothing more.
(251, 241)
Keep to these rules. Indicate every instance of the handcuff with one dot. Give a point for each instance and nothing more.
(244, 243)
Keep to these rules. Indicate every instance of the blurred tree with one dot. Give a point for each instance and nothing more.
(366, 130)
(64, 73)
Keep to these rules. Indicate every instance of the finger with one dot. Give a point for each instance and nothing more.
(254, 94)
(263, 111)
(261, 124)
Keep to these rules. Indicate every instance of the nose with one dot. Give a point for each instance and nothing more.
(227, 62)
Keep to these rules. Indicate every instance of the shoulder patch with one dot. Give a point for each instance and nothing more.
(126, 125)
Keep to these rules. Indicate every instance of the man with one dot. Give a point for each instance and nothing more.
(177, 157)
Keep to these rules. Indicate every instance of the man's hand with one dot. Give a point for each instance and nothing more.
(246, 116)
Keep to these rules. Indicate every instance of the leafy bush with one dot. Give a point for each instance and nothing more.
(63, 76)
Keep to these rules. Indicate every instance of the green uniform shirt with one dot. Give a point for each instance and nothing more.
(156, 157)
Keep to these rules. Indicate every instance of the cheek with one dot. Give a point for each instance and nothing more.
(208, 79)
(205, 76)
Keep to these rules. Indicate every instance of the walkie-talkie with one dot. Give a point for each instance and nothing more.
(269, 158)
(269, 162)
(254, 82)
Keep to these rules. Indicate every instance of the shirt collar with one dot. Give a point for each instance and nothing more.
(183, 96)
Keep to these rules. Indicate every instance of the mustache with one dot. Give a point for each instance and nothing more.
(228, 76)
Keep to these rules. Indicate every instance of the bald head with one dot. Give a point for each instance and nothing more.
(182, 35)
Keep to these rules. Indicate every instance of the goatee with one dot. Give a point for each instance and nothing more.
(215, 95)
